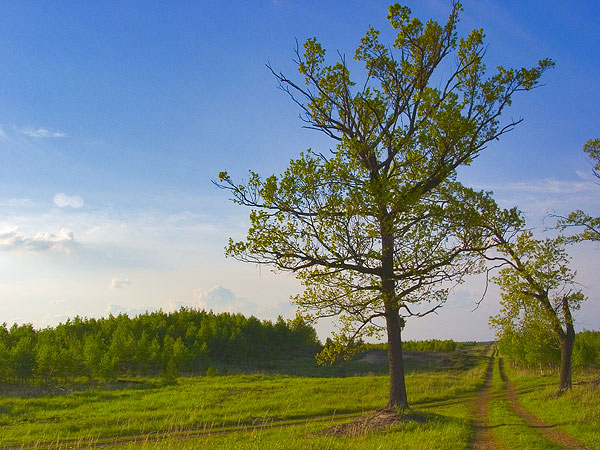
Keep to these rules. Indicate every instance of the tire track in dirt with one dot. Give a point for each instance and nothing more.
(554, 435)
(483, 439)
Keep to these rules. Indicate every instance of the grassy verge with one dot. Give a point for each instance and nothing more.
(577, 412)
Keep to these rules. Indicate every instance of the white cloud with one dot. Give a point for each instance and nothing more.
(587, 175)
(220, 299)
(551, 186)
(52, 320)
(64, 241)
(19, 202)
(2, 133)
(42, 133)
(118, 283)
(183, 218)
(64, 200)
(131, 311)
(174, 305)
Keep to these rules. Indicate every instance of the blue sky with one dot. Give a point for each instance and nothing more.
(116, 116)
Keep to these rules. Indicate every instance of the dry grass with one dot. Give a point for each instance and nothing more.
(379, 420)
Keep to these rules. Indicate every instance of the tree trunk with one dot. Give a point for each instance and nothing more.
(567, 340)
(397, 396)
(566, 350)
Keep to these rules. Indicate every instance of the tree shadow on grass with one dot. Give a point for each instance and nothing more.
(30, 390)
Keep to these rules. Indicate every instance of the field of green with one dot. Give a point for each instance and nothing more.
(274, 411)
(248, 411)
(576, 412)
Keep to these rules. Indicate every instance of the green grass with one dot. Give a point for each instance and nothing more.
(507, 426)
(577, 412)
(438, 433)
(298, 405)
(448, 428)
(274, 411)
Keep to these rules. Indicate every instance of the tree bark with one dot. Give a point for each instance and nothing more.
(397, 396)
(566, 351)
(567, 340)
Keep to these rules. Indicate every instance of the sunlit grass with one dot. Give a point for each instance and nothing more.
(577, 412)
(278, 407)
(442, 430)
(507, 426)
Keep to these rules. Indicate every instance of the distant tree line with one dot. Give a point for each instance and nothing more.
(187, 341)
(428, 345)
(536, 347)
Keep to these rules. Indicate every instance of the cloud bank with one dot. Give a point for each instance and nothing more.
(13, 240)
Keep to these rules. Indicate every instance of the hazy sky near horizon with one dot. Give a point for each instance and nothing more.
(116, 116)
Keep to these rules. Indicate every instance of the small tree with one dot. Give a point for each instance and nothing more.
(380, 225)
(538, 289)
(22, 357)
(531, 344)
(46, 356)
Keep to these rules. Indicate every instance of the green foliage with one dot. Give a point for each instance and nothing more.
(428, 345)
(534, 348)
(212, 372)
(579, 219)
(170, 374)
(185, 341)
(537, 287)
(592, 148)
(586, 352)
(431, 345)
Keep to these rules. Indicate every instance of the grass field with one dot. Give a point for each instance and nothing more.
(577, 412)
(273, 411)
(272, 407)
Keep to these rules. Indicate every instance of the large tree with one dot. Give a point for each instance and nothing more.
(538, 291)
(379, 229)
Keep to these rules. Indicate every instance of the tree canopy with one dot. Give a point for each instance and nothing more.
(381, 225)
(184, 341)
(539, 294)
